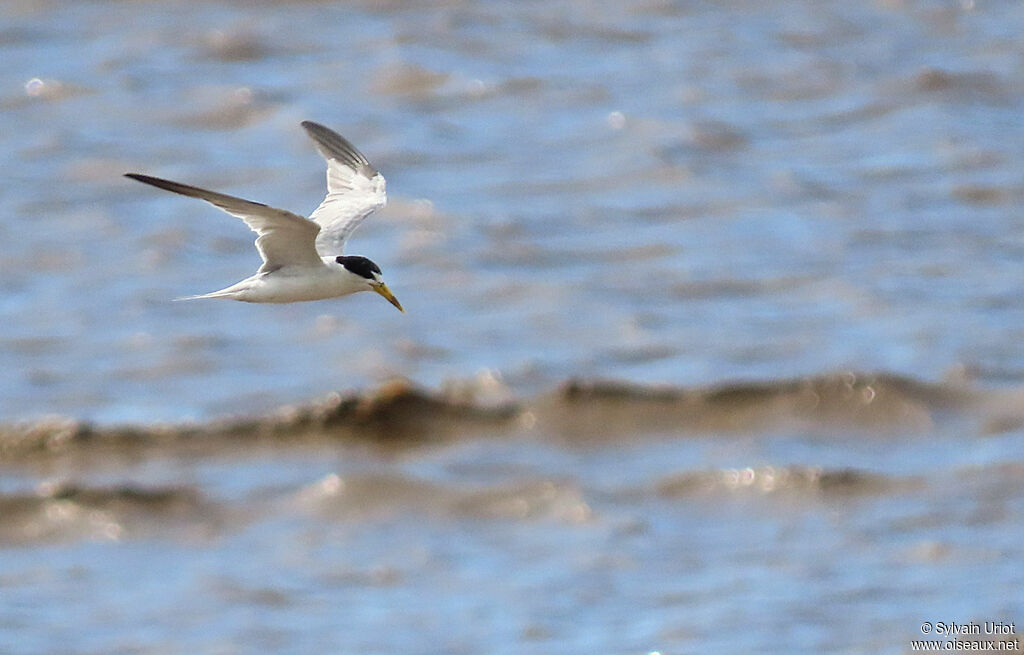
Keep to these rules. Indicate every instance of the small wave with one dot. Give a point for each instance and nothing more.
(798, 480)
(872, 402)
(973, 86)
(70, 511)
(395, 412)
(399, 414)
(380, 495)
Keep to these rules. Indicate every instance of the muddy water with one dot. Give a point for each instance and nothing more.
(792, 236)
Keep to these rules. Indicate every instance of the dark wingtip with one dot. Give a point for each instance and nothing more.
(334, 146)
(316, 127)
(153, 181)
(174, 187)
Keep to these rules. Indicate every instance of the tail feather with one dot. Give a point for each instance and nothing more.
(236, 291)
(223, 293)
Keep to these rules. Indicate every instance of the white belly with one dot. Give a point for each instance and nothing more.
(293, 286)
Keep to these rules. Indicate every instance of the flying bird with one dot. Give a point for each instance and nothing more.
(303, 257)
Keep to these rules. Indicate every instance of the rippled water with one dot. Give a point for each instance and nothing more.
(643, 190)
(830, 515)
(666, 193)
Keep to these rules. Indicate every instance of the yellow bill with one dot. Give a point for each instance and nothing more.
(383, 290)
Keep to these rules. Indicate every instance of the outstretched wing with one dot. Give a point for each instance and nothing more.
(354, 189)
(285, 239)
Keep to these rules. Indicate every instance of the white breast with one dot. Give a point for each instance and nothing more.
(299, 285)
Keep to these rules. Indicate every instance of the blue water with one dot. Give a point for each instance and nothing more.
(647, 190)
(650, 191)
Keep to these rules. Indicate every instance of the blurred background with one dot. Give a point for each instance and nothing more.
(790, 234)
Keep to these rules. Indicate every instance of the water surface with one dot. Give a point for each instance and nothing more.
(820, 200)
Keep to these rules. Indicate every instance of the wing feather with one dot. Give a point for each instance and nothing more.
(283, 238)
(354, 189)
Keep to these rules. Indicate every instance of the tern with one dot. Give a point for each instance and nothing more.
(303, 257)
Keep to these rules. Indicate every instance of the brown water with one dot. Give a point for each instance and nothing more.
(791, 235)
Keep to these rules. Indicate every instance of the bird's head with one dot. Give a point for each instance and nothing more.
(370, 274)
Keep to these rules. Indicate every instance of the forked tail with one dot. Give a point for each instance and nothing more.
(224, 293)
